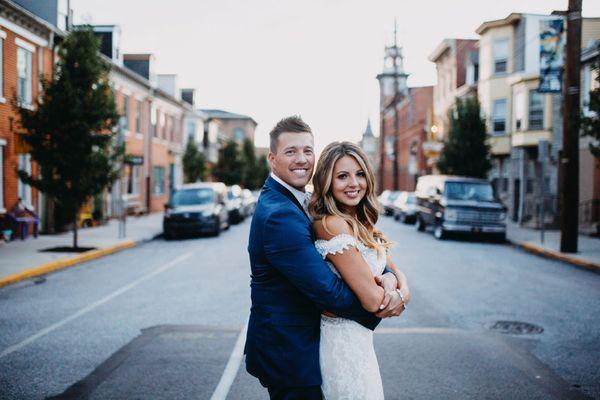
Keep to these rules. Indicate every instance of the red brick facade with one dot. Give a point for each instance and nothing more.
(412, 115)
(9, 119)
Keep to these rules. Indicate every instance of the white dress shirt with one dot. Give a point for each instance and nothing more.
(302, 197)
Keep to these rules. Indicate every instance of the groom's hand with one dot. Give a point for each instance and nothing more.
(392, 305)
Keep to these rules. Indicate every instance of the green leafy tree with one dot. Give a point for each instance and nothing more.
(590, 123)
(250, 172)
(194, 163)
(229, 166)
(466, 152)
(262, 171)
(71, 133)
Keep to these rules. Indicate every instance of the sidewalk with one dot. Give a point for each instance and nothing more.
(18, 256)
(588, 255)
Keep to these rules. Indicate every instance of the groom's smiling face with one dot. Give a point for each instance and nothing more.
(294, 159)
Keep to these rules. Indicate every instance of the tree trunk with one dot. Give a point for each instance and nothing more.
(75, 246)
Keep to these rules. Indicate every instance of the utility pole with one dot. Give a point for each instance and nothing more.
(395, 170)
(569, 163)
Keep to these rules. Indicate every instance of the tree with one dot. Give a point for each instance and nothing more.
(590, 123)
(71, 133)
(194, 163)
(229, 166)
(465, 152)
(262, 171)
(249, 176)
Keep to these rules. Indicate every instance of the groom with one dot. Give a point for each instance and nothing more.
(291, 284)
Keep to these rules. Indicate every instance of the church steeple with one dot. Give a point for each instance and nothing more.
(392, 80)
(368, 131)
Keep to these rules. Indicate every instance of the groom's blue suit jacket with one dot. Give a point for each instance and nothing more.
(291, 284)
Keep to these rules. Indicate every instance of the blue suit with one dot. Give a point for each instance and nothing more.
(291, 284)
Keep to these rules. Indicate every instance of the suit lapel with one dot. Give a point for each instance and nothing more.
(273, 184)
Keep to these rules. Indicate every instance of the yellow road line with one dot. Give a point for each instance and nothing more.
(56, 265)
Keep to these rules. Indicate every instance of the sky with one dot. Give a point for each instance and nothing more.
(317, 58)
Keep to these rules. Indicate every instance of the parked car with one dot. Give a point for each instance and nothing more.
(404, 207)
(196, 208)
(387, 198)
(234, 204)
(459, 204)
(248, 202)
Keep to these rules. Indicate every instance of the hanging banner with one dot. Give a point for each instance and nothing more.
(552, 44)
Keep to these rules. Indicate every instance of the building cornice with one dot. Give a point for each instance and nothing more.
(510, 20)
(14, 13)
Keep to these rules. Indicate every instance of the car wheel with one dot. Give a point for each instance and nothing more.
(438, 232)
(396, 217)
(403, 218)
(499, 237)
(168, 235)
(420, 224)
(217, 230)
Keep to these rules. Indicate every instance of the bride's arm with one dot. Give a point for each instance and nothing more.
(351, 265)
(402, 281)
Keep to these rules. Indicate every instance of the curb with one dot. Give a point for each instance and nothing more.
(56, 265)
(556, 255)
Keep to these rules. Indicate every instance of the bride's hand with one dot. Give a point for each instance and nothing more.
(387, 281)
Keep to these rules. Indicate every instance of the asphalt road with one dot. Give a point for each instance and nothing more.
(161, 321)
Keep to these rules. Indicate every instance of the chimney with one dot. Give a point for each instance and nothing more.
(141, 64)
(187, 95)
(110, 41)
(168, 83)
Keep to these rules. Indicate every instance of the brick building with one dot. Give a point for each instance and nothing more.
(457, 66)
(405, 114)
(26, 54)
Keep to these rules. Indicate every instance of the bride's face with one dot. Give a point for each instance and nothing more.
(349, 182)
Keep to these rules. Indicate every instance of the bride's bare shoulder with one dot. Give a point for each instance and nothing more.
(330, 226)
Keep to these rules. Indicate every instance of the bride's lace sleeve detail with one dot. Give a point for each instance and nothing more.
(335, 245)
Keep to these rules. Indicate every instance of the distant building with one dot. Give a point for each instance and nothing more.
(370, 145)
(518, 117)
(232, 126)
(405, 116)
(457, 65)
(589, 166)
(26, 55)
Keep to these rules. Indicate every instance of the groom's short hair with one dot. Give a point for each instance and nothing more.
(293, 124)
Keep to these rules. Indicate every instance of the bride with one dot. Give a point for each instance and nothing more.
(344, 208)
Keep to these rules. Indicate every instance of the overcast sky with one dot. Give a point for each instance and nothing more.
(317, 58)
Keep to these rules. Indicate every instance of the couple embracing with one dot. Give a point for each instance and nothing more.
(322, 277)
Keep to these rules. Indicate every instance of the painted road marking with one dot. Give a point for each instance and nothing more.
(232, 367)
(92, 306)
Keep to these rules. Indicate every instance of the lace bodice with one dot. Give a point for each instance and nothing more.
(347, 358)
(343, 241)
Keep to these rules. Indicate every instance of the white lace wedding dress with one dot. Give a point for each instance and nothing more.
(348, 363)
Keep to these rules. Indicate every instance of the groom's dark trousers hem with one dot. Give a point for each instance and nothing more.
(296, 393)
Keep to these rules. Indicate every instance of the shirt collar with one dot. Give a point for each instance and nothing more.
(299, 195)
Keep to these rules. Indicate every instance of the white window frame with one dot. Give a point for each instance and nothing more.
(533, 92)
(2, 39)
(25, 98)
(497, 118)
(2, 145)
(125, 116)
(500, 58)
(23, 190)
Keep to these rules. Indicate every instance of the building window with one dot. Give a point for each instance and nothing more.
(134, 179)
(125, 116)
(2, 144)
(239, 134)
(138, 116)
(1, 67)
(536, 110)
(190, 131)
(499, 117)
(172, 128)
(163, 124)
(24, 88)
(500, 51)
(23, 189)
(158, 179)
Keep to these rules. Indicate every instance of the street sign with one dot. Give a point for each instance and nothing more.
(134, 160)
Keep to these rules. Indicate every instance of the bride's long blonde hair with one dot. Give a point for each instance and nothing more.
(322, 203)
